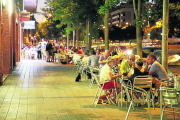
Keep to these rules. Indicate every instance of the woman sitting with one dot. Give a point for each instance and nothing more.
(107, 77)
(137, 70)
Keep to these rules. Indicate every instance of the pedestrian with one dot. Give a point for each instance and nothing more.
(39, 47)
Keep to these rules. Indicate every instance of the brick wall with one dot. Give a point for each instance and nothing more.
(7, 40)
(1, 57)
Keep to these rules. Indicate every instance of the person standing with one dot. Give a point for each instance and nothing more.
(47, 52)
(50, 50)
(39, 51)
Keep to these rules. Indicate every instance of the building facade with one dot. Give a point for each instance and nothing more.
(11, 35)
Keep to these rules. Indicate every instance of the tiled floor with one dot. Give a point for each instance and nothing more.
(37, 90)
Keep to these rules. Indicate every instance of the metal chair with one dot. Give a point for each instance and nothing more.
(140, 84)
(145, 82)
(171, 100)
(94, 72)
(100, 88)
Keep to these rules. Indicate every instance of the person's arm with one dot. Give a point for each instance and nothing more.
(100, 60)
(89, 62)
(146, 67)
(151, 72)
(114, 76)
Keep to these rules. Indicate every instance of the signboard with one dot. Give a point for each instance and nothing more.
(30, 5)
(24, 16)
(29, 25)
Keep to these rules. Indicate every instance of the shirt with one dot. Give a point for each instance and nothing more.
(159, 71)
(105, 73)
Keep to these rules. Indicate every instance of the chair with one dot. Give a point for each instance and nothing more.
(171, 100)
(56, 57)
(140, 84)
(100, 88)
(94, 72)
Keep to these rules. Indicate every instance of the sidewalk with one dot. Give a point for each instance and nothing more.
(37, 90)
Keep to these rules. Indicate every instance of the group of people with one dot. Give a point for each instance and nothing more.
(132, 67)
(113, 67)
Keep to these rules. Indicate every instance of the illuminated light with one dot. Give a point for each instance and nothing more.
(10, 6)
(4, 2)
(24, 10)
(127, 23)
(103, 27)
(129, 52)
(148, 33)
(116, 24)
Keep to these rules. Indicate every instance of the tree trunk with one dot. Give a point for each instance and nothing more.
(87, 34)
(106, 33)
(90, 34)
(74, 39)
(165, 34)
(77, 37)
(67, 38)
(139, 41)
(138, 27)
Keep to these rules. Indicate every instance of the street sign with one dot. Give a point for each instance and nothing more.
(24, 16)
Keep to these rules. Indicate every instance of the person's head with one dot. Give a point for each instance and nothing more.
(107, 53)
(132, 57)
(92, 52)
(139, 62)
(75, 51)
(151, 58)
(110, 61)
(79, 48)
(125, 56)
(86, 52)
(97, 51)
(116, 58)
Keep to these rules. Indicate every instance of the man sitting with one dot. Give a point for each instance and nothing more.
(156, 70)
(76, 56)
(92, 62)
(102, 58)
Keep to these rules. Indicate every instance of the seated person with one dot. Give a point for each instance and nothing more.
(93, 59)
(92, 62)
(103, 57)
(107, 77)
(116, 67)
(98, 52)
(125, 67)
(85, 58)
(114, 52)
(137, 70)
(132, 60)
(77, 57)
(80, 50)
(156, 70)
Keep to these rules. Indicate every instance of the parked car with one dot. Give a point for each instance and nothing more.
(146, 50)
(125, 49)
(111, 48)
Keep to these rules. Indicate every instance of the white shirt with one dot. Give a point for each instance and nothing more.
(85, 59)
(76, 57)
(105, 73)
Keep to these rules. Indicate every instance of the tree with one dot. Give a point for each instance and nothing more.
(76, 13)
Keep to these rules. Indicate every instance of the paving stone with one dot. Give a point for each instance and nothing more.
(37, 90)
